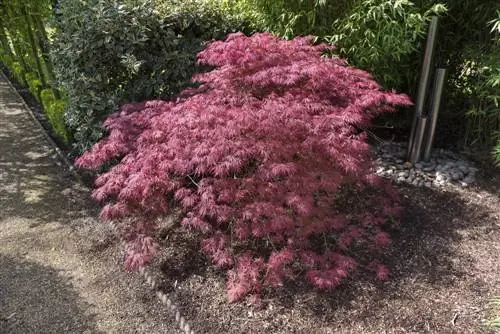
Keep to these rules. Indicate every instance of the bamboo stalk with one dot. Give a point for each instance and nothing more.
(34, 48)
(43, 41)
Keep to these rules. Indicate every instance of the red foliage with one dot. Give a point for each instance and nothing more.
(257, 157)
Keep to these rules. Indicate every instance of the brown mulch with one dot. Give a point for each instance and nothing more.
(445, 264)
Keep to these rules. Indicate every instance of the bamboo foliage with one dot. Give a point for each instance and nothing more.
(23, 28)
(25, 51)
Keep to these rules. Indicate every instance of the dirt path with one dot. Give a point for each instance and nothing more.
(60, 269)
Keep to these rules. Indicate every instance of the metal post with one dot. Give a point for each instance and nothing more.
(436, 103)
(419, 136)
(424, 81)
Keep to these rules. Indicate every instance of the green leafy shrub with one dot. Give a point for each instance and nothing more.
(17, 71)
(384, 37)
(288, 18)
(34, 84)
(6, 59)
(54, 109)
(477, 89)
(207, 19)
(111, 52)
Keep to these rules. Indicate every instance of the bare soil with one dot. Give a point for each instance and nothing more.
(60, 270)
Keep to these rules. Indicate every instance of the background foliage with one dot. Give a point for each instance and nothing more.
(25, 52)
(468, 48)
(387, 37)
(112, 52)
(154, 56)
(384, 37)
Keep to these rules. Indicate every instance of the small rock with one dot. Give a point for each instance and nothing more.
(403, 174)
(428, 184)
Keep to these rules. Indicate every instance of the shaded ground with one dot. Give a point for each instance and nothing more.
(445, 266)
(60, 269)
(55, 260)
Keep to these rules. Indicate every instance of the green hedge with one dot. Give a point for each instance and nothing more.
(110, 52)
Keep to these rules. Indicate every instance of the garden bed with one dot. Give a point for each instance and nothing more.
(444, 263)
(444, 270)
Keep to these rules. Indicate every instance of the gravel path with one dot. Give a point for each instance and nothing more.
(60, 269)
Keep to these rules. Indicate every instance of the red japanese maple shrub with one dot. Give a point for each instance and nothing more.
(265, 158)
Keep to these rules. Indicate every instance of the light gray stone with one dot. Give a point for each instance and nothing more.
(403, 174)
